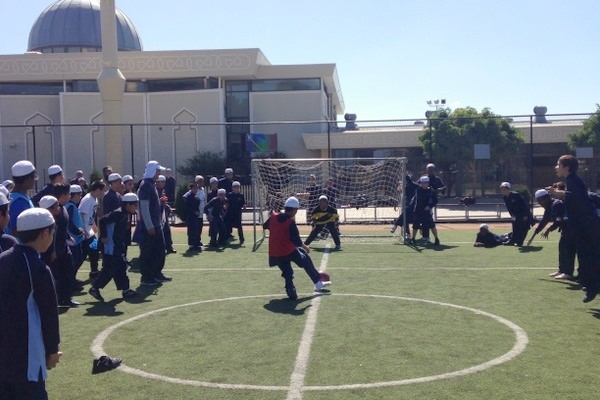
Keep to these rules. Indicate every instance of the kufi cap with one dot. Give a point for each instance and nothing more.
(505, 185)
(34, 218)
(4, 191)
(484, 226)
(48, 201)
(198, 177)
(214, 179)
(114, 177)
(312, 176)
(75, 189)
(228, 170)
(161, 178)
(7, 183)
(235, 183)
(22, 168)
(430, 165)
(221, 191)
(54, 170)
(292, 202)
(127, 178)
(541, 193)
(3, 199)
(323, 197)
(423, 179)
(130, 197)
(79, 172)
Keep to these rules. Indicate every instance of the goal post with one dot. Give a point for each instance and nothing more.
(365, 191)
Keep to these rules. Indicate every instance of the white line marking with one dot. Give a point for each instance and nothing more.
(301, 365)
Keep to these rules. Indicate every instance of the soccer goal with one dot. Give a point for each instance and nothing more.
(365, 192)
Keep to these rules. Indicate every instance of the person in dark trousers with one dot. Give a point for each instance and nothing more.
(226, 182)
(112, 198)
(285, 247)
(410, 189)
(29, 324)
(24, 176)
(152, 246)
(311, 196)
(520, 214)
(214, 187)
(165, 211)
(237, 203)
(88, 208)
(170, 187)
(76, 231)
(584, 222)
(6, 241)
(192, 217)
(438, 186)
(56, 175)
(215, 212)
(116, 235)
(332, 192)
(324, 216)
(424, 200)
(485, 237)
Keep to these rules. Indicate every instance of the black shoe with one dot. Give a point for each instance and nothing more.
(69, 303)
(589, 296)
(171, 251)
(162, 278)
(95, 293)
(437, 242)
(292, 295)
(150, 283)
(129, 293)
(105, 363)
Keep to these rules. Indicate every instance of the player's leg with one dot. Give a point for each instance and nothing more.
(287, 273)
(313, 234)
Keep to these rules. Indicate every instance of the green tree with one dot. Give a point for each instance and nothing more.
(589, 134)
(205, 163)
(450, 137)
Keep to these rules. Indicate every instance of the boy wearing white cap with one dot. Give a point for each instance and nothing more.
(215, 212)
(29, 332)
(485, 238)
(226, 182)
(214, 187)
(237, 203)
(324, 216)
(521, 216)
(56, 175)
(6, 240)
(24, 177)
(115, 236)
(112, 198)
(285, 247)
(165, 211)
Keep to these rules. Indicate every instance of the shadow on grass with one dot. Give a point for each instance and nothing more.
(287, 306)
(530, 249)
(104, 309)
(192, 253)
(595, 312)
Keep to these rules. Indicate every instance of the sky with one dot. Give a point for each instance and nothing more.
(391, 55)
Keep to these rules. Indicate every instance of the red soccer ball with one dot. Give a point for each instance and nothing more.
(324, 277)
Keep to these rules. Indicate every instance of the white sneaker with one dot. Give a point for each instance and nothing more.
(320, 285)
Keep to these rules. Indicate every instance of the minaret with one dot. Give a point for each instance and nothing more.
(112, 85)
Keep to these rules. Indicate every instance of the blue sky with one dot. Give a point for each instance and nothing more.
(391, 56)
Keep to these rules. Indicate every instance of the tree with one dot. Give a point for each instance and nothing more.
(450, 136)
(589, 134)
(206, 163)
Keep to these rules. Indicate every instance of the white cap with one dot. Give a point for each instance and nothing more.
(3, 199)
(79, 172)
(292, 202)
(22, 168)
(198, 177)
(7, 183)
(130, 197)
(48, 201)
(151, 168)
(127, 178)
(235, 183)
(4, 191)
(423, 179)
(221, 191)
(322, 197)
(484, 226)
(505, 185)
(430, 165)
(228, 170)
(34, 218)
(75, 189)
(114, 177)
(214, 179)
(54, 170)
(161, 178)
(541, 193)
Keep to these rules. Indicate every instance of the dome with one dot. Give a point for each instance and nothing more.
(70, 26)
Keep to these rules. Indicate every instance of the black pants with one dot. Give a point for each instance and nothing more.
(62, 271)
(93, 254)
(318, 228)
(152, 255)
(218, 232)
(24, 390)
(519, 230)
(193, 230)
(567, 249)
(167, 235)
(113, 267)
(301, 259)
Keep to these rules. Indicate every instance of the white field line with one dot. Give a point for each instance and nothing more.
(297, 379)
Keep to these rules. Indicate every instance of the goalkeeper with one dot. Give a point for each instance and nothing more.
(324, 216)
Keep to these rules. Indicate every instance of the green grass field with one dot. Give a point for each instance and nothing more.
(397, 323)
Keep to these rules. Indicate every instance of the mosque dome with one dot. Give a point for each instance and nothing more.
(72, 26)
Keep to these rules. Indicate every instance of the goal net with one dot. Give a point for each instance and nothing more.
(365, 192)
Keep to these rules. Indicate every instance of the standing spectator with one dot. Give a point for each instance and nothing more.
(170, 186)
(424, 201)
(115, 236)
(311, 196)
(88, 208)
(112, 198)
(324, 216)
(6, 240)
(29, 328)
(226, 182)
(56, 175)
(152, 247)
(409, 193)
(237, 203)
(201, 194)
(192, 217)
(215, 211)
(106, 171)
(438, 186)
(9, 185)
(584, 221)
(128, 184)
(285, 247)
(76, 231)
(24, 176)
(214, 187)
(519, 212)
(165, 212)
(78, 175)
(332, 192)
